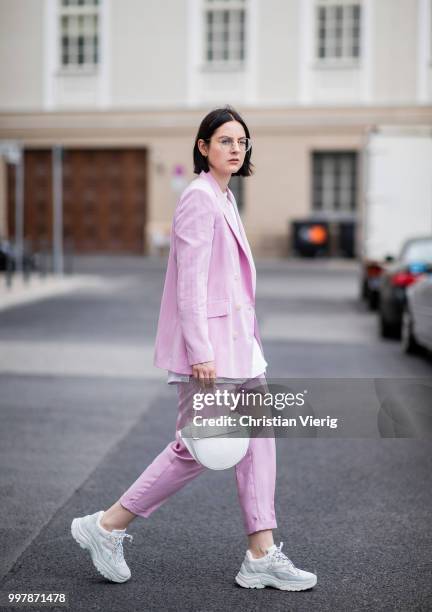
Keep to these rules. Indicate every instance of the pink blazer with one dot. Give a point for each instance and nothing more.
(208, 303)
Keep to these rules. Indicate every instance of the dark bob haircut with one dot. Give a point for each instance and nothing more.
(208, 126)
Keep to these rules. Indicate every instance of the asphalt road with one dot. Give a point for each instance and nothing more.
(84, 412)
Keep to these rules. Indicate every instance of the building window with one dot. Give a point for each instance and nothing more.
(224, 31)
(334, 183)
(79, 34)
(338, 30)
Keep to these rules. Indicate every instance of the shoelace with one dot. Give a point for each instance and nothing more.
(117, 540)
(278, 556)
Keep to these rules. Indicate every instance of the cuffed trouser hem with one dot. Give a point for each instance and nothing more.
(260, 526)
(128, 506)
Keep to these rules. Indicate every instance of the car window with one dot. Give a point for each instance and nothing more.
(420, 250)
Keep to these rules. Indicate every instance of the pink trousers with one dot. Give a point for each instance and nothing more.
(174, 467)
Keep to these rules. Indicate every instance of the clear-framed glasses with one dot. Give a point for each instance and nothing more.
(227, 143)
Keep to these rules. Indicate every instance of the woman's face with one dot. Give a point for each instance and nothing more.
(225, 157)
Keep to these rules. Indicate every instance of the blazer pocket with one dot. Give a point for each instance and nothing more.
(218, 308)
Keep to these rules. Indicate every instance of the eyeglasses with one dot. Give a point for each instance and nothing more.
(227, 143)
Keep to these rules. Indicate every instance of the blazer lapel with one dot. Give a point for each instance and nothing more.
(242, 238)
(238, 233)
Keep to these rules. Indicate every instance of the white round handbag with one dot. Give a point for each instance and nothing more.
(218, 451)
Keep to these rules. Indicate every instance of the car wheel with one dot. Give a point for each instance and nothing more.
(364, 292)
(387, 330)
(408, 342)
(373, 300)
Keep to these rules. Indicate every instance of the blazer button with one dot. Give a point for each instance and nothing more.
(236, 276)
(235, 334)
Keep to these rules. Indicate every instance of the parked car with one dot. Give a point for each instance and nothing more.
(417, 316)
(371, 280)
(415, 259)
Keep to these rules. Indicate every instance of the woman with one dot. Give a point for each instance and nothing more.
(207, 328)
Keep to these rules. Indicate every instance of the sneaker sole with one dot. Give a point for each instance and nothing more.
(260, 581)
(86, 543)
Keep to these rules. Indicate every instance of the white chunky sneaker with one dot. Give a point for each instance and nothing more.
(105, 547)
(274, 569)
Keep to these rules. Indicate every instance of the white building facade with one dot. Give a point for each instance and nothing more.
(122, 85)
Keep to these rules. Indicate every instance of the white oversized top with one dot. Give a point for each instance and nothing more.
(259, 364)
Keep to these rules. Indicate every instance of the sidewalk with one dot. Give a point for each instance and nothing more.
(36, 287)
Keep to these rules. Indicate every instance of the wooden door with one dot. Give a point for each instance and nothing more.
(104, 199)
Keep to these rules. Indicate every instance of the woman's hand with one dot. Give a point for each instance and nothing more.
(205, 373)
